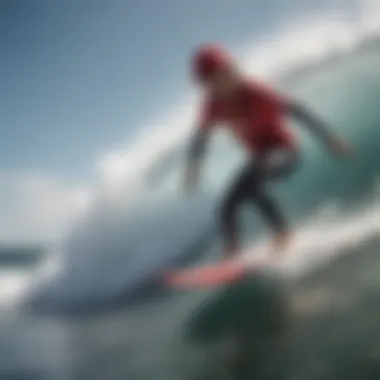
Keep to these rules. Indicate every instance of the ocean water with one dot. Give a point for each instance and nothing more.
(333, 332)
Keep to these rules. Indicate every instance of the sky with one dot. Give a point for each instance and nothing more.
(82, 78)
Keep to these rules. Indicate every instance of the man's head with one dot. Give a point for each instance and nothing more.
(214, 69)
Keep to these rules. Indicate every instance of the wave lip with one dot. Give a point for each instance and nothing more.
(307, 41)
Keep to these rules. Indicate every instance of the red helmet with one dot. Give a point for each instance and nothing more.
(209, 59)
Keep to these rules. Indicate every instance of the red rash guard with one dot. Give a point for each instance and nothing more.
(254, 114)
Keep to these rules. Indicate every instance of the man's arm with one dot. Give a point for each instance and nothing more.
(195, 157)
(310, 120)
(318, 127)
(296, 110)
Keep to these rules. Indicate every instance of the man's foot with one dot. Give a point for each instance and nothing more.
(229, 254)
(282, 241)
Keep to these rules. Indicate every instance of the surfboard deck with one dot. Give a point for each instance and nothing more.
(214, 274)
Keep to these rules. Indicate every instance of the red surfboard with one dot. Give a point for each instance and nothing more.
(217, 274)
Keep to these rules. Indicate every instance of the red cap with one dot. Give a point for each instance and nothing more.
(209, 59)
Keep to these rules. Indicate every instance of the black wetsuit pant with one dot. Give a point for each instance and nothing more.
(250, 186)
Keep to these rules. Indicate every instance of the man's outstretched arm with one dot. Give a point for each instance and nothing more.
(318, 127)
(195, 156)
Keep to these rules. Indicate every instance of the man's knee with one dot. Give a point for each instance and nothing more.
(256, 189)
(228, 209)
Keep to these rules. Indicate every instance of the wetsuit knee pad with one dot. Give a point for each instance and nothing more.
(227, 208)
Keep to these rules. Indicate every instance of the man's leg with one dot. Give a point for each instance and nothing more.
(279, 165)
(238, 193)
(249, 185)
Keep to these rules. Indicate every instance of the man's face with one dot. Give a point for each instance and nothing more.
(220, 83)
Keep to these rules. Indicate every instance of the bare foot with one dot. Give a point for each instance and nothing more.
(230, 254)
(282, 241)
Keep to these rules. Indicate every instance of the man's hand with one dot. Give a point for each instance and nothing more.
(194, 160)
(339, 147)
(191, 180)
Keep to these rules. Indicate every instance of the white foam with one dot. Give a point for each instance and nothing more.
(12, 285)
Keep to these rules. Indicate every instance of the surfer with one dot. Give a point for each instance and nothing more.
(255, 114)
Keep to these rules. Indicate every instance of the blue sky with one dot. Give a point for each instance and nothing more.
(80, 78)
